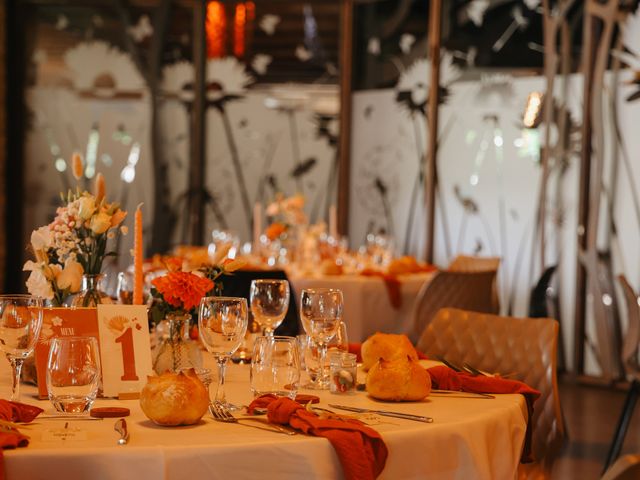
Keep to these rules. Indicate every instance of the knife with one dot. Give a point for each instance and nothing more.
(386, 413)
(65, 416)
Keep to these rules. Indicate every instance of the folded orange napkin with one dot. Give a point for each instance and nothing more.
(392, 284)
(10, 437)
(357, 349)
(445, 378)
(361, 450)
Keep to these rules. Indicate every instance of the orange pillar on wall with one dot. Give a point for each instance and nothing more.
(216, 26)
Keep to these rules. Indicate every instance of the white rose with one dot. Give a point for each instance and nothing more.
(30, 266)
(71, 276)
(100, 223)
(41, 238)
(38, 285)
(87, 205)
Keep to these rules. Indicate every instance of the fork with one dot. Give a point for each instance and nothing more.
(221, 414)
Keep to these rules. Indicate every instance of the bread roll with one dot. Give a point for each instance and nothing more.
(388, 346)
(399, 380)
(174, 398)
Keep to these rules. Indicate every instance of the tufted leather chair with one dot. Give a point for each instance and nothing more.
(468, 290)
(467, 263)
(525, 349)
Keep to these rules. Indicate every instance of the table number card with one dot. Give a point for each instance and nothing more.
(61, 322)
(125, 350)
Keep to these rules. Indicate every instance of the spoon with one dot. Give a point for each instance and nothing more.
(121, 428)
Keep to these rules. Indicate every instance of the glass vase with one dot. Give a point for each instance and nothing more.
(91, 294)
(177, 351)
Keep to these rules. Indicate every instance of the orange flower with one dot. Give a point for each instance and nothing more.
(117, 217)
(182, 289)
(173, 264)
(274, 230)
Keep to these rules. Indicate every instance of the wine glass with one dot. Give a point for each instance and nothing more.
(223, 323)
(321, 314)
(20, 323)
(269, 303)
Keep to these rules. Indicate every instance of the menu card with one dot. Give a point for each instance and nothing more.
(61, 322)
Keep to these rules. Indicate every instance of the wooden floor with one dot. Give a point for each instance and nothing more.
(591, 415)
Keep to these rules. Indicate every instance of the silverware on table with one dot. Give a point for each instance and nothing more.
(386, 413)
(121, 428)
(462, 394)
(65, 416)
(221, 414)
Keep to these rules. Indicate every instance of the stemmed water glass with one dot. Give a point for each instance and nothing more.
(269, 303)
(321, 314)
(223, 323)
(20, 323)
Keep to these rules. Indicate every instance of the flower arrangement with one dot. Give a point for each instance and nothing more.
(180, 290)
(284, 213)
(73, 244)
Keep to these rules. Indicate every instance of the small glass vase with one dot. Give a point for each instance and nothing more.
(91, 294)
(177, 351)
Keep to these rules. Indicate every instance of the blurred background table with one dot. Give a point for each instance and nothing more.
(367, 307)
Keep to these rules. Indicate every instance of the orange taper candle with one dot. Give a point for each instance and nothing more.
(138, 255)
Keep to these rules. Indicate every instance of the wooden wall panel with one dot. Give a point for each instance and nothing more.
(3, 140)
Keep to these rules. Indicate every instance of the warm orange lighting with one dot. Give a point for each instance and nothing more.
(251, 11)
(532, 117)
(239, 29)
(216, 26)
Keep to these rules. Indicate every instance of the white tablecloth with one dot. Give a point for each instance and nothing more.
(469, 439)
(367, 308)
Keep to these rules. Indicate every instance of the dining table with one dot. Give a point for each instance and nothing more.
(470, 437)
(368, 307)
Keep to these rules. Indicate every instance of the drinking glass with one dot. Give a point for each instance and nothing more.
(223, 323)
(73, 373)
(275, 366)
(20, 323)
(269, 303)
(309, 354)
(124, 290)
(321, 314)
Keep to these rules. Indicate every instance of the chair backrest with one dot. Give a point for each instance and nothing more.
(467, 263)
(466, 290)
(523, 348)
(632, 336)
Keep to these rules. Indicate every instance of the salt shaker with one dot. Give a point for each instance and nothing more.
(343, 371)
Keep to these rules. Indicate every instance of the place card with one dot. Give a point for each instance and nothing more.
(125, 349)
(64, 434)
(61, 322)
